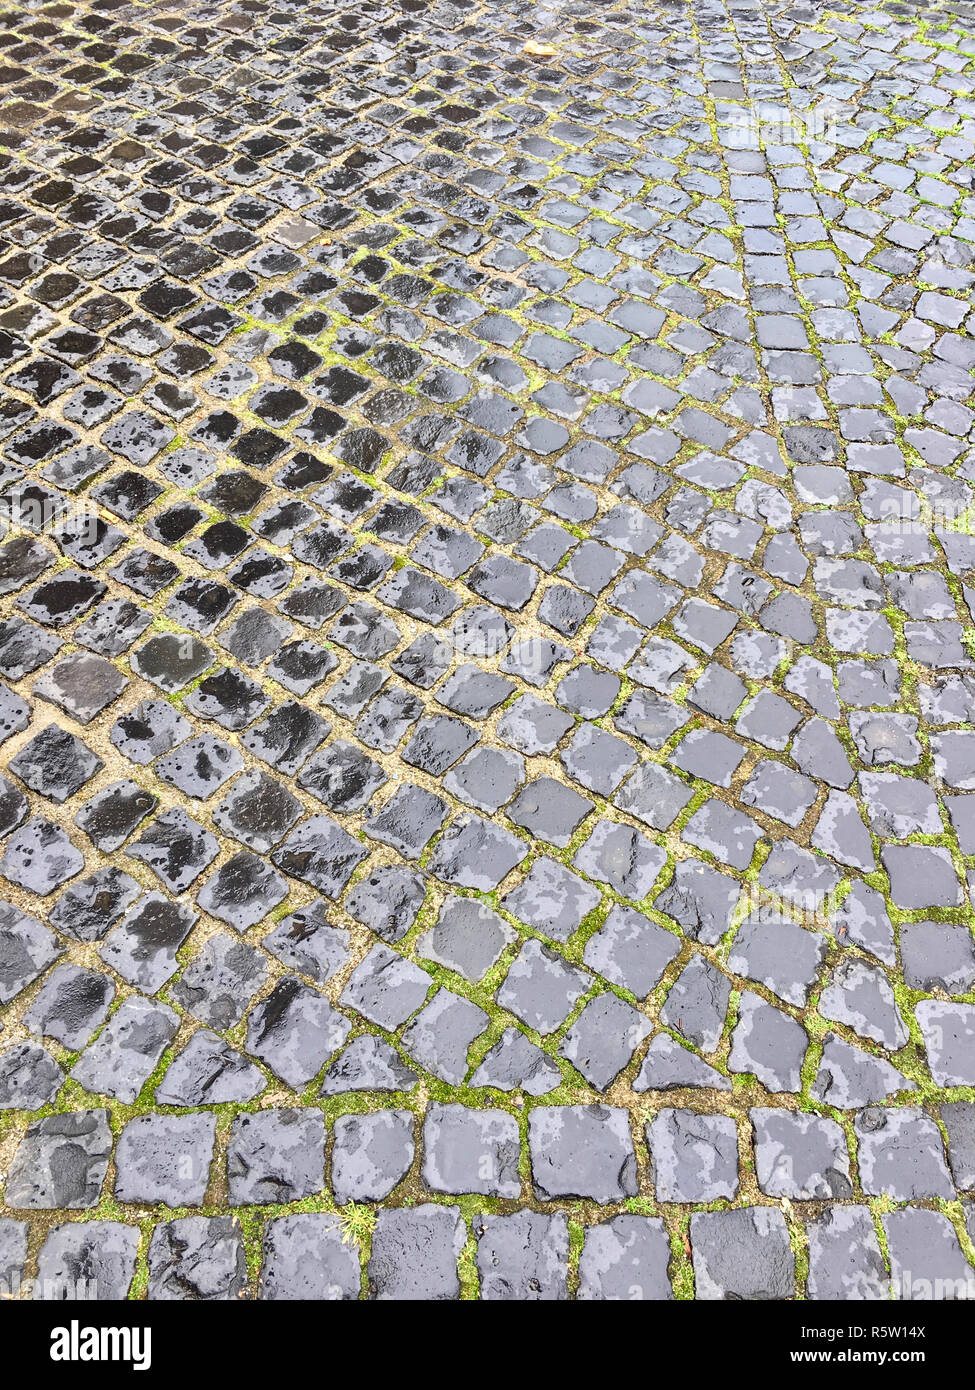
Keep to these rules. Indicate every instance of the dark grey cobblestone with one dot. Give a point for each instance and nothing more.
(197, 1257)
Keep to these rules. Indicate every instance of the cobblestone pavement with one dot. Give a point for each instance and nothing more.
(487, 721)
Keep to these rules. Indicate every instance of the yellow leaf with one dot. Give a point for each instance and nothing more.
(540, 50)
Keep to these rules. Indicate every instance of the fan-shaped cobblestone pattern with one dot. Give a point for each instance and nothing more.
(488, 688)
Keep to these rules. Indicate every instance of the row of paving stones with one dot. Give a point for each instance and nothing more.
(417, 1253)
(299, 1038)
(582, 1152)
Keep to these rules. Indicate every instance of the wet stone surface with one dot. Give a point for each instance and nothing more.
(487, 794)
(196, 1257)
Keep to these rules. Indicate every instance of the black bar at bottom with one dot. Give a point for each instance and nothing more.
(169, 1339)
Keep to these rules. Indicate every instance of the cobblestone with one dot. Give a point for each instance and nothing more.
(486, 677)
